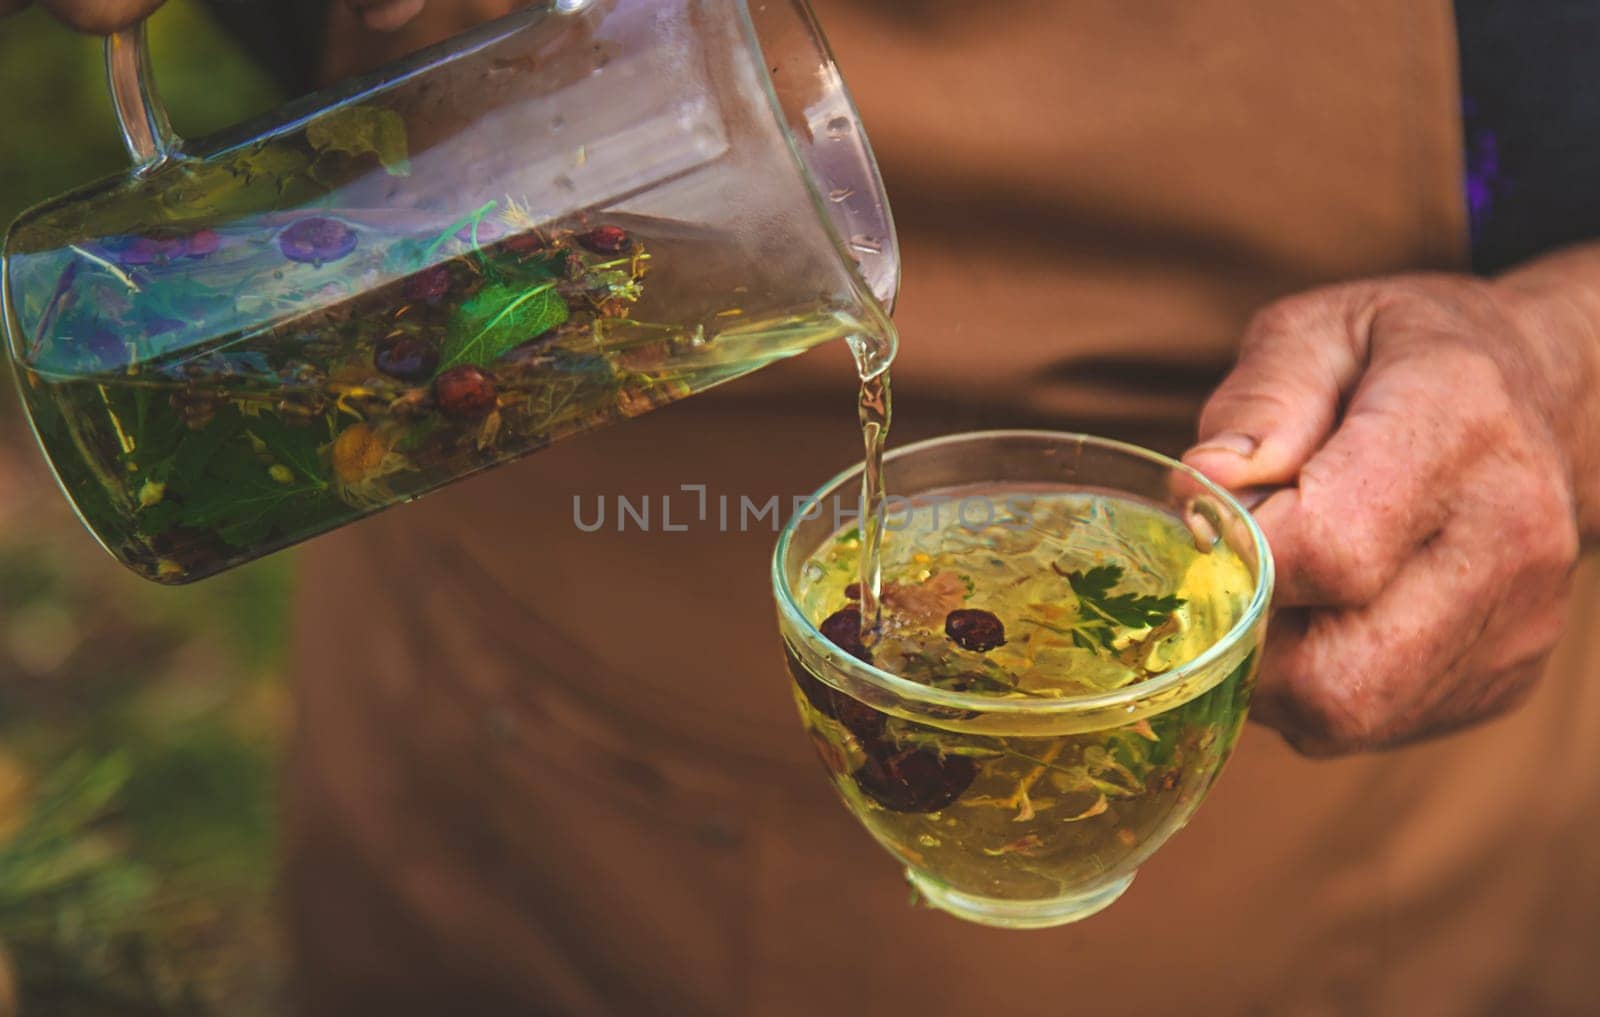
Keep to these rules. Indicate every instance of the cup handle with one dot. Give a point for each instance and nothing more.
(146, 131)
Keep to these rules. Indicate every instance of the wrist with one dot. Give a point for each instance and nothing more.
(1554, 304)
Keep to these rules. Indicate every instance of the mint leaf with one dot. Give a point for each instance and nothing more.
(244, 504)
(221, 483)
(498, 318)
(294, 447)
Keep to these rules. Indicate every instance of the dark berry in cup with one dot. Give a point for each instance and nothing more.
(913, 780)
(842, 628)
(409, 358)
(974, 629)
(606, 240)
(428, 286)
(852, 592)
(818, 694)
(858, 718)
(465, 393)
(316, 240)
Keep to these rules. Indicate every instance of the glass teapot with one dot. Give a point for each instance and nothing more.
(573, 214)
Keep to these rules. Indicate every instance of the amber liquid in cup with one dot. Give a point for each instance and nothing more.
(1071, 666)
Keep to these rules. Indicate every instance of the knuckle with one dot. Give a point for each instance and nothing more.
(1552, 523)
(1342, 556)
(1281, 321)
(1327, 709)
(1342, 575)
(1276, 319)
(1550, 551)
(1329, 721)
(1537, 525)
(1479, 394)
(1499, 689)
(1516, 692)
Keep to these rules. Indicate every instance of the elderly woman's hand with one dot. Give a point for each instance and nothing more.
(1437, 436)
(102, 17)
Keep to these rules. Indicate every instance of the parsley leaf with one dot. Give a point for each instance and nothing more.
(1102, 611)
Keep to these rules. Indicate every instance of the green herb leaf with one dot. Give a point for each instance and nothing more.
(219, 481)
(1129, 610)
(1102, 612)
(498, 318)
(245, 505)
(358, 130)
(294, 447)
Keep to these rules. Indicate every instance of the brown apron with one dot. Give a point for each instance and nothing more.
(540, 770)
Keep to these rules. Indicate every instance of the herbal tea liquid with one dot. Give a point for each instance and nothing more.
(185, 464)
(1066, 592)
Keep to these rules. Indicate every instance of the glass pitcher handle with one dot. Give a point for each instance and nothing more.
(140, 113)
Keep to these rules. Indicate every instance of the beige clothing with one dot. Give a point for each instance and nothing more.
(547, 771)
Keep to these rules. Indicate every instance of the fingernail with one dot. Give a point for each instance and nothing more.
(1241, 445)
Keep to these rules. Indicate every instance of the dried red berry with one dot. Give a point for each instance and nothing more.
(913, 780)
(852, 592)
(606, 240)
(316, 240)
(974, 629)
(816, 692)
(409, 358)
(861, 720)
(465, 392)
(523, 243)
(842, 628)
(429, 285)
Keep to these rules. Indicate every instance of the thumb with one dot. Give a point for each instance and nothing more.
(1281, 400)
(386, 15)
(100, 17)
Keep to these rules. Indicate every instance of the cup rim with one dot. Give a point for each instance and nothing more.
(1128, 695)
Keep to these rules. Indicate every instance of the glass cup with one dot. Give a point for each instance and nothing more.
(1125, 769)
(573, 214)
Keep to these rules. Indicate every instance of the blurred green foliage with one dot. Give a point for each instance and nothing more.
(139, 725)
(58, 128)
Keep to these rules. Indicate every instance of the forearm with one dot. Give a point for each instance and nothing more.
(1555, 300)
